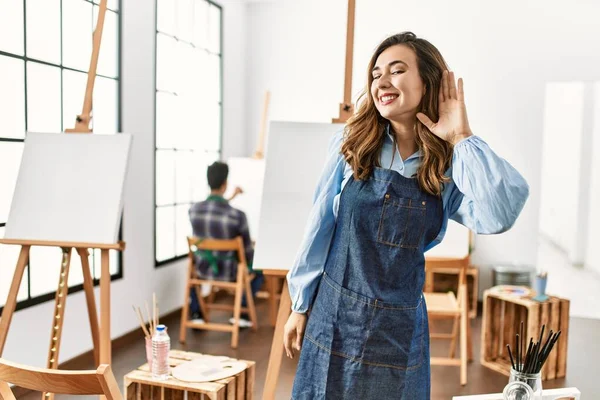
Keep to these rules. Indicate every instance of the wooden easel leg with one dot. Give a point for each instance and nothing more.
(237, 307)
(60, 301)
(272, 284)
(11, 300)
(277, 345)
(250, 301)
(88, 286)
(105, 349)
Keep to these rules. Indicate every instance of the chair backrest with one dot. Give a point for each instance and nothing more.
(90, 382)
(235, 244)
(451, 263)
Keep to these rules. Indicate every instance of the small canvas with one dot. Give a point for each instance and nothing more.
(70, 188)
(248, 174)
(296, 157)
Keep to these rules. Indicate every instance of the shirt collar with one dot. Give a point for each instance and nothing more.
(390, 137)
(215, 197)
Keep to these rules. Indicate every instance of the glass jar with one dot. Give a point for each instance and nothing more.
(522, 386)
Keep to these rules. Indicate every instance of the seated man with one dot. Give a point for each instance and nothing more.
(214, 218)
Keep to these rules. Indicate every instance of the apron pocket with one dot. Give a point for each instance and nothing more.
(402, 222)
(338, 320)
(397, 337)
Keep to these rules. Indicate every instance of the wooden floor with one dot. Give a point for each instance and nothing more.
(584, 353)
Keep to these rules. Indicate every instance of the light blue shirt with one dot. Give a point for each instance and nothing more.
(485, 194)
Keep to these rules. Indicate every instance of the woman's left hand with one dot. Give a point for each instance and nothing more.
(453, 124)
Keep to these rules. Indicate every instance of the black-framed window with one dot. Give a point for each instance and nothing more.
(189, 108)
(45, 52)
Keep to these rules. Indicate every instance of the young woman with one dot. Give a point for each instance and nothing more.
(392, 180)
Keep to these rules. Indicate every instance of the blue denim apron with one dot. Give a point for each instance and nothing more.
(367, 335)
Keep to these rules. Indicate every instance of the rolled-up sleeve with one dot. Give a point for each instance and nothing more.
(486, 194)
(306, 272)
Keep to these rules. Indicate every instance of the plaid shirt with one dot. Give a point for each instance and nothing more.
(214, 218)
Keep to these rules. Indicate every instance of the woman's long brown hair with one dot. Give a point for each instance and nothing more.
(364, 131)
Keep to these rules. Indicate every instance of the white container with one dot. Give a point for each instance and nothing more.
(161, 345)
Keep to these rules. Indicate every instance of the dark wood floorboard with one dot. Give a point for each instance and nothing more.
(584, 353)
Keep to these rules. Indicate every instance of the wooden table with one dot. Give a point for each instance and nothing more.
(140, 385)
(502, 316)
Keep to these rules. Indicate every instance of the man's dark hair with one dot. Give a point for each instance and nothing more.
(217, 174)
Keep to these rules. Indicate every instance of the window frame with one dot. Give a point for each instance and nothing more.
(168, 261)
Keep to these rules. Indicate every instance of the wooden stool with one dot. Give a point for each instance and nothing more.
(502, 316)
(140, 385)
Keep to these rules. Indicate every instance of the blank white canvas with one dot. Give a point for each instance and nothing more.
(455, 243)
(294, 162)
(248, 174)
(70, 188)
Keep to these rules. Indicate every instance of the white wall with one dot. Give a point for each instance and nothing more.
(559, 211)
(504, 51)
(30, 328)
(592, 259)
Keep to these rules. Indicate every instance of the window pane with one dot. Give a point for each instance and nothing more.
(108, 59)
(73, 93)
(184, 135)
(214, 83)
(166, 63)
(75, 270)
(165, 13)
(10, 160)
(214, 24)
(110, 4)
(183, 176)
(9, 255)
(96, 262)
(200, 162)
(43, 98)
(43, 30)
(12, 97)
(166, 119)
(77, 34)
(183, 228)
(201, 24)
(209, 134)
(165, 177)
(185, 15)
(199, 77)
(183, 66)
(106, 100)
(45, 269)
(165, 232)
(11, 26)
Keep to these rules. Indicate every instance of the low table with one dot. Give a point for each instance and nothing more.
(140, 385)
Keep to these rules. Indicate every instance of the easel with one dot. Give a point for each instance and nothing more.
(100, 333)
(346, 111)
(260, 146)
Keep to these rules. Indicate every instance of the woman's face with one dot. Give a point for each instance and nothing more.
(397, 88)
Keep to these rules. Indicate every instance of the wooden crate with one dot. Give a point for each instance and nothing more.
(446, 279)
(139, 384)
(502, 316)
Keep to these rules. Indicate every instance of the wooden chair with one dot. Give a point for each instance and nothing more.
(240, 285)
(98, 382)
(451, 306)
